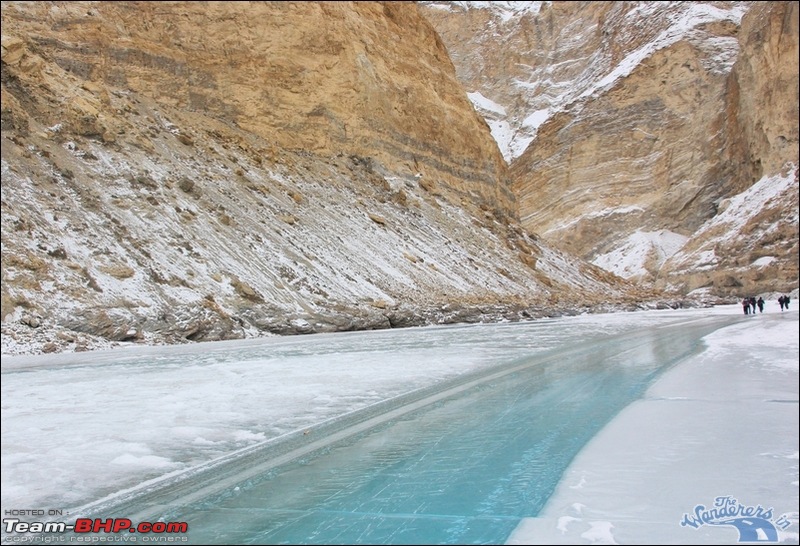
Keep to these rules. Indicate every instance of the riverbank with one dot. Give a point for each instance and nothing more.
(34, 335)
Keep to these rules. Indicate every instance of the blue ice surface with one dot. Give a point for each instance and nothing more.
(462, 470)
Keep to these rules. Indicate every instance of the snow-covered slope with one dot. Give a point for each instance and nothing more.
(210, 241)
(748, 241)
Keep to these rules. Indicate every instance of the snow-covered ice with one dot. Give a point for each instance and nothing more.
(78, 427)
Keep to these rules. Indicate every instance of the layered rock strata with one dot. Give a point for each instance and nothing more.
(640, 122)
(182, 171)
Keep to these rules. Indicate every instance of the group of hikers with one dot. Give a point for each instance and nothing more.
(749, 305)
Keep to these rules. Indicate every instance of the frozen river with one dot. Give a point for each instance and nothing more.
(428, 435)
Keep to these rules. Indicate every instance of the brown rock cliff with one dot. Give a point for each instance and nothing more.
(364, 78)
(195, 171)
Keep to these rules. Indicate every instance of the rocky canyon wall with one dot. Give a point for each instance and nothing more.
(631, 126)
(179, 171)
(740, 249)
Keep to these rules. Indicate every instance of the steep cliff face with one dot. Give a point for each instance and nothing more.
(751, 244)
(631, 125)
(202, 171)
(763, 90)
(642, 156)
(363, 78)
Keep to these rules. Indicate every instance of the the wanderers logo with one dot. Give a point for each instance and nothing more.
(754, 523)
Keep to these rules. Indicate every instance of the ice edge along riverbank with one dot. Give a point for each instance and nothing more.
(724, 423)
